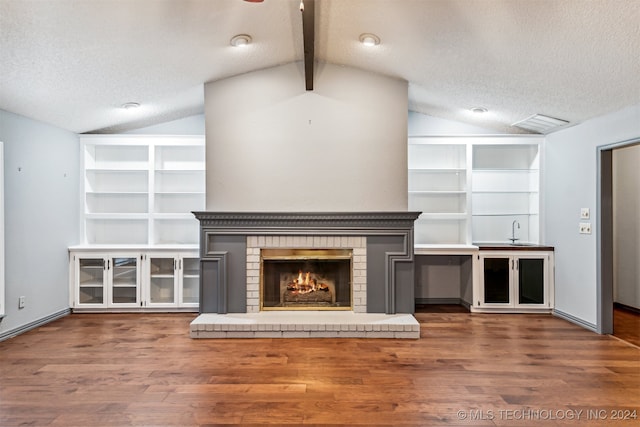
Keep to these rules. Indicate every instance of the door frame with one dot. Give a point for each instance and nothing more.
(604, 236)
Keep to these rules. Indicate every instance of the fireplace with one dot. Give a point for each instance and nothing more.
(274, 274)
(306, 279)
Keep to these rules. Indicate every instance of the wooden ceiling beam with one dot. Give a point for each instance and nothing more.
(308, 33)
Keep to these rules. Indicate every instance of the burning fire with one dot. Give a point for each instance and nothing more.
(305, 284)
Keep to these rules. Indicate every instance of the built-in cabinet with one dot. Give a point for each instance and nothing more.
(139, 247)
(174, 280)
(128, 280)
(514, 281)
(475, 189)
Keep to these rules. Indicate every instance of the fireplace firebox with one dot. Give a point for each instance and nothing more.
(306, 279)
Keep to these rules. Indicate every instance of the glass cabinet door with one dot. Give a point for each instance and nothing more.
(124, 285)
(497, 280)
(162, 279)
(91, 280)
(531, 281)
(190, 281)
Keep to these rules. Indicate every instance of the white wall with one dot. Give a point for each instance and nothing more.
(423, 125)
(192, 125)
(272, 146)
(626, 226)
(570, 183)
(41, 217)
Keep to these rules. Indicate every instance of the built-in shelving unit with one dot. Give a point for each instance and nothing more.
(142, 189)
(472, 189)
(438, 187)
(139, 246)
(505, 185)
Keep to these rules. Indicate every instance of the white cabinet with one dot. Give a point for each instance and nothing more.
(106, 281)
(140, 190)
(173, 280)
(514, 281)
(142, 280)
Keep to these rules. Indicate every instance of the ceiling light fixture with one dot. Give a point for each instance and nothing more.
(130, 105)
(478, 110)
(241, 40)
(369, 39)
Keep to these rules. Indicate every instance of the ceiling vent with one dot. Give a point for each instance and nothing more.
(541, 124)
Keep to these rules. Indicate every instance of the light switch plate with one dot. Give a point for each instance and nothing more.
(585, 228)
(584, 213)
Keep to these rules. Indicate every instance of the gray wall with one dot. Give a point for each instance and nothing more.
(272, 146)
(626, 226)
(570, 183)
(41, 217)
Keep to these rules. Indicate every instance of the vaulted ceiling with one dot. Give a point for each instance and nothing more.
(73, 63)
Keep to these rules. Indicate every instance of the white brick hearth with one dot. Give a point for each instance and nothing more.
(305, 324)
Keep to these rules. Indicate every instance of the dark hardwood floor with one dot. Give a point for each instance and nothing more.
(626, 324)
(467, 369)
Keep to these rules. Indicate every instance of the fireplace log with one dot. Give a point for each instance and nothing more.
(311, 297)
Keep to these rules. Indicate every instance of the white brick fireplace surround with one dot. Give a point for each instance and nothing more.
(356, 243)
(382, 274)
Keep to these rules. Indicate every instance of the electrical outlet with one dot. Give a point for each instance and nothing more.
(584, 213)
(21, 302)
(585, 228)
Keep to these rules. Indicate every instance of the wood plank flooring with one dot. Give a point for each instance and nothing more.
(626, 325)
(467, 369)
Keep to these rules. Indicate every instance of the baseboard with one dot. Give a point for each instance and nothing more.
(450, 301)
(465, 304)
(576, 320)
(35, 324)
(625, 307)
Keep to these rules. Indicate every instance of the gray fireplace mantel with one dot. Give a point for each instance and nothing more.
(389, 247)
(304, 222)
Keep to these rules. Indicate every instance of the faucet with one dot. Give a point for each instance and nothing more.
(513, 231)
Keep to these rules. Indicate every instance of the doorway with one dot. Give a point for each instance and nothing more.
(618, 241)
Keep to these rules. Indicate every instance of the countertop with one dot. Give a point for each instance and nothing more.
(513, 247)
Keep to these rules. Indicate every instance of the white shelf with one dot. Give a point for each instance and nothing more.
(440, 156)
(116, 157)
(437, 192)
(91, 285)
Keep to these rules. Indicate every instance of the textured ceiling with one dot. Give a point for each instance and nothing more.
(72, 63)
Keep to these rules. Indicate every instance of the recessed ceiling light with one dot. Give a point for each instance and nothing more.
(241, 40)
(369, 39)
(478, 110)
(130, 105)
